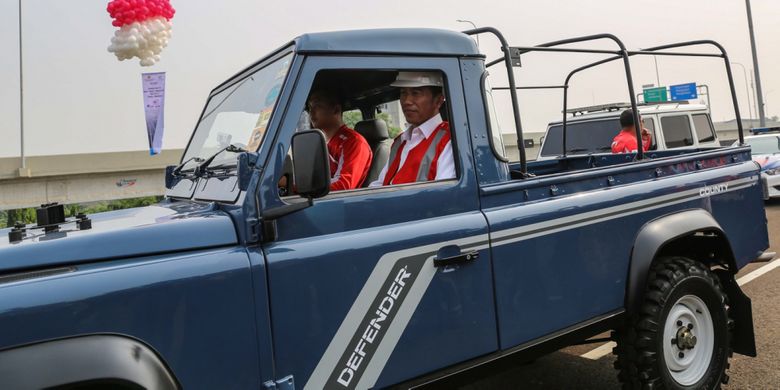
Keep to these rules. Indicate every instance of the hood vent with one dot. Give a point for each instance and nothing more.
(16, 277)
(50, 217)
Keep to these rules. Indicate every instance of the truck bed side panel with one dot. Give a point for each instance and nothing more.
(561, 260)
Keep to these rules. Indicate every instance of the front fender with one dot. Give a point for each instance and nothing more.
(108, 359)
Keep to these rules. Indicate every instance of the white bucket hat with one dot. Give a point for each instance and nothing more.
(418, 79)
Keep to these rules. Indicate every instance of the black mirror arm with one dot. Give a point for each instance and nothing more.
(281, 211)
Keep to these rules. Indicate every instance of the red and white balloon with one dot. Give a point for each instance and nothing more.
(144, 29)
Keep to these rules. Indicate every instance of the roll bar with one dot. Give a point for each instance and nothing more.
(511, 75)
(654, 51)
(512, 55)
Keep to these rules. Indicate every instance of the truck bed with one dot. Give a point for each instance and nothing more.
(699, 173)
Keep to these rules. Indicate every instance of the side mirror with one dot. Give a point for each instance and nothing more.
(311, 172)
(311, 168)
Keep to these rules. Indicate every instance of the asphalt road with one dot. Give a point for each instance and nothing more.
(566, 369)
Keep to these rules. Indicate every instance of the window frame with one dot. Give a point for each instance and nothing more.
(489, 122)
(712, 136)
(447, 88)
(688, 120)
(653, 131)
(569, 122)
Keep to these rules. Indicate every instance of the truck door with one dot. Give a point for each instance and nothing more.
(355, 298)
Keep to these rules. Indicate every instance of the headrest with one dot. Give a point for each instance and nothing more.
(373, 130)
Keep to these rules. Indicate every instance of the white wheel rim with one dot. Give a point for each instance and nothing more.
(688, 363)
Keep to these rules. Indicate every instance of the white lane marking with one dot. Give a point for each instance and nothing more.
(601, 351)
(760, 271)
(606, 349)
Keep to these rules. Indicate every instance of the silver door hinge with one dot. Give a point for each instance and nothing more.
(286, 383)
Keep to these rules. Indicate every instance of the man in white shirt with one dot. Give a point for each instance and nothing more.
(424, 151)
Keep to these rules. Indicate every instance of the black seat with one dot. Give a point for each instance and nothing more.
(376, 134)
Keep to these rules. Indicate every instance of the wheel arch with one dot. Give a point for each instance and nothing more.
(692, 233)
(697, 235)
(88, 359)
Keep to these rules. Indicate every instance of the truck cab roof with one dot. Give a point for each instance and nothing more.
(418, 41)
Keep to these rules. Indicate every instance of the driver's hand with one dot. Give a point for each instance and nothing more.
(283, 189)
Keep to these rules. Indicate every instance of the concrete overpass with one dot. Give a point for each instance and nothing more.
(81, 178)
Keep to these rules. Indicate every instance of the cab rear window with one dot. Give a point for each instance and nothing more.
(677, 131)
(582, 137)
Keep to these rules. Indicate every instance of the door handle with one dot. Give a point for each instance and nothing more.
(462, 258)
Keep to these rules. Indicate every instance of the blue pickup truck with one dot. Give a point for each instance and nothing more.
(237, 281)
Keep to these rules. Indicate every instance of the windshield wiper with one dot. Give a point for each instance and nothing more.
(177, 170)
(576, 150)
(203, 166)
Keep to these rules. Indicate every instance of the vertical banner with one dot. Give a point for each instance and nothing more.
(154, 108)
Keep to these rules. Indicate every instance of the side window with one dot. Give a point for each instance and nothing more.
(497, 140)
(703, 128)
(649, 124)
(361, 149)
(352, 117)
(392, 114)
(677, 131)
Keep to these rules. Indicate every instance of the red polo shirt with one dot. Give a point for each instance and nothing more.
(350, 159)
(625, 142)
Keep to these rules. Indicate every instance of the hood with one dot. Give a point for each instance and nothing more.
(140, 231)
(767, 161)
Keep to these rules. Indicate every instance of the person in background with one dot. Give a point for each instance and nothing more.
(625, 141)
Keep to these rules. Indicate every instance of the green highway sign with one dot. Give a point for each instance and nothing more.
(653, 95)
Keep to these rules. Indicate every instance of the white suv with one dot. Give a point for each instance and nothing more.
(590, 130)
(765, 149)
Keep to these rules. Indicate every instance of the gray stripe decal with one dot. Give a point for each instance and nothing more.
(342, 343)
(363, 345)
(591, 217)
(351, 334)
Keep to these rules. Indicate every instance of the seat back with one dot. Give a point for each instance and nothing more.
(378, 138)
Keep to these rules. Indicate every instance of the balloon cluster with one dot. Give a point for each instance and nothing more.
(144, 29)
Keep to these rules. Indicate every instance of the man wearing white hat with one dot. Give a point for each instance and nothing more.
(423, 152)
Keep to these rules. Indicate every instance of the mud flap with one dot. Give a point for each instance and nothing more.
(743, 338)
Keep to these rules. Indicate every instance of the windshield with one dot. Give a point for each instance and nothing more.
(238, 115)
(582, 137)
(764, 145)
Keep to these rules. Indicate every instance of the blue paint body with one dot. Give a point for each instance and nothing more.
(225, 310)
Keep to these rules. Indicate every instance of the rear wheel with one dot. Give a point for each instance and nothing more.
(679, 337)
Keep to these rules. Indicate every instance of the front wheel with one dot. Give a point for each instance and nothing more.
(679, 337)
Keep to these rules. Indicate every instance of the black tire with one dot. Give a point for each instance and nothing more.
(641, 359)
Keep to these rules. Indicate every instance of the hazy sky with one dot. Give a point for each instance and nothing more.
(78, 98)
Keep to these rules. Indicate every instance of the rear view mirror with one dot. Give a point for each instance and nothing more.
(311, 168)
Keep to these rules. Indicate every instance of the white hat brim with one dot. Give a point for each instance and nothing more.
(412, 84)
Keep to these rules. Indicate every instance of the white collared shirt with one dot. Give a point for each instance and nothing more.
(445, 165)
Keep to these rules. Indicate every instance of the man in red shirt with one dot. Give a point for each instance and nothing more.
(350, 154)
(625, 141)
